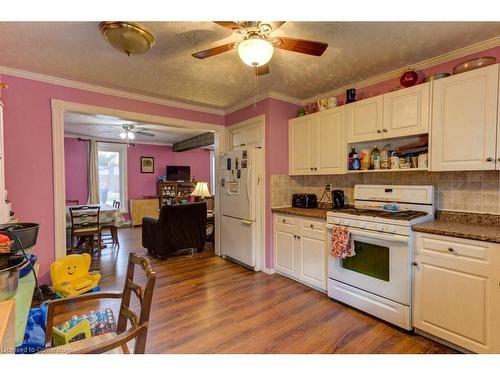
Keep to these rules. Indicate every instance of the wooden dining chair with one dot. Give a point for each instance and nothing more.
(72, 202)
(113, 230)
(117, 341)
(85, 226)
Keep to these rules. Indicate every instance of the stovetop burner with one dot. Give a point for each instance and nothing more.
(400, 215)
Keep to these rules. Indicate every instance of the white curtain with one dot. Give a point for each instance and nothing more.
(93, 179)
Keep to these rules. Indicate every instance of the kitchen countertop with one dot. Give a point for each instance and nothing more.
(482, 227)
(317, 213)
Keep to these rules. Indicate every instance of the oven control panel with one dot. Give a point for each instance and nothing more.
(369, 225)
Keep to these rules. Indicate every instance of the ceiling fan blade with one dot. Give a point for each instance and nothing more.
(214, 51)
(142, 132)
(307, 47)
(261, 70)
(231, 25)
(274, 24)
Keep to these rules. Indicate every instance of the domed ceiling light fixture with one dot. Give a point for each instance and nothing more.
(128, 37)
(255, 51)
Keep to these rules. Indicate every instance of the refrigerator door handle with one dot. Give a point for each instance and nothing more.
(246, 222)
(248, 181)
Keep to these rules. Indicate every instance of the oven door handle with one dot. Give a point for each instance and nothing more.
(375, 235)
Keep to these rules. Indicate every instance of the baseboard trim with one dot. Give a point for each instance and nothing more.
(269, 271)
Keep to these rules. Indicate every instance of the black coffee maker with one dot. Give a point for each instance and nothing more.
(338, 199)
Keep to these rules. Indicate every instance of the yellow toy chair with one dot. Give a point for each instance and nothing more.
(70, 275)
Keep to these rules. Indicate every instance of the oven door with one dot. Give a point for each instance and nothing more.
(381, 265)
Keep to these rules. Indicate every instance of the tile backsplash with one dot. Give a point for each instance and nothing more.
(472, 191)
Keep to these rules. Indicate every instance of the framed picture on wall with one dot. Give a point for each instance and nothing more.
(147, 164)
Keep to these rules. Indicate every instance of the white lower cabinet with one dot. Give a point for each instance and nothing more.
(457, 291)
(299, 249)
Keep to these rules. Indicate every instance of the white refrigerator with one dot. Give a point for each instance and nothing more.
(240, 184)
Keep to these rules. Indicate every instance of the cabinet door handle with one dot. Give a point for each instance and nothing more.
(315, 169)
(284, 221)
(312, 225)
(298, 237)
(414, 263)
(384, 130)
(451, 250)
(294, 236)
(379, 131)
(489, 159)
(312, 168)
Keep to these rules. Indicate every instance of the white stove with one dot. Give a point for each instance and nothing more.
(377, 279)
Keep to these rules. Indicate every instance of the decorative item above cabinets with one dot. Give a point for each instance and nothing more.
(317, 143)
(396, 114)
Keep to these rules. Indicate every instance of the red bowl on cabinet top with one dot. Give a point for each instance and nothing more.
(409, 78)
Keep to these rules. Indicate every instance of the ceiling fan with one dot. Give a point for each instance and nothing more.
(130, 130)
(257, 46)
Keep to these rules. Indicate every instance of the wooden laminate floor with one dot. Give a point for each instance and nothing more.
(205, 304)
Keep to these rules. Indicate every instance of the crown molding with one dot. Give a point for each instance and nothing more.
(285, 98)
(396, 73)
(106, 90)
(455, 54)
(263, 96)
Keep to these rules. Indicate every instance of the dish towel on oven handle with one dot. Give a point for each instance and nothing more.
(342, 245)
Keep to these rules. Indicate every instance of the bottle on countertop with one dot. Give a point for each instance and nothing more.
(351, 154)
(375, 159)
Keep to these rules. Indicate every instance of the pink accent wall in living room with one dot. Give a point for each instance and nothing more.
(28, 147)
(76, 156)
(139, 184)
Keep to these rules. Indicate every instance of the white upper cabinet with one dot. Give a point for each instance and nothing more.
(330, 148)
(464, 121)
(364, 120)
(317, 143)
(406, 112)
(247, 135)
(300, 140)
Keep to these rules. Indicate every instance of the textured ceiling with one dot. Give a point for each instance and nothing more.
(357, 50)
(109, 128)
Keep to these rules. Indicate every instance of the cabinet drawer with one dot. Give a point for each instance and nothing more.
(313, 229)
(285, 223)
(459, 250)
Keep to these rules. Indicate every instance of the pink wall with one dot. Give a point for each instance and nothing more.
(76, 155)
(28, 147)
(139, 184)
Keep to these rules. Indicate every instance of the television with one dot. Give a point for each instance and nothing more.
(178, 173)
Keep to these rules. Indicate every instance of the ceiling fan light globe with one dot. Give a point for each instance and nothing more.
(123, 135)
(255, 51)
(130, 135)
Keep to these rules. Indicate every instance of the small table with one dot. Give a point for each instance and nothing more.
(107, 214)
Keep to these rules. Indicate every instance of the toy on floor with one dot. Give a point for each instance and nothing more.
(70, 275)
(84, 326)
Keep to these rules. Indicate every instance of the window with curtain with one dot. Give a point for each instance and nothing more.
(112, 164)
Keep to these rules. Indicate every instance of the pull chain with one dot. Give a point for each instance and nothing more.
(256, 81)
